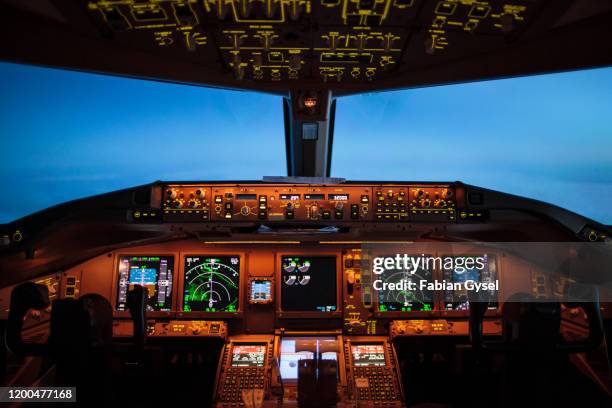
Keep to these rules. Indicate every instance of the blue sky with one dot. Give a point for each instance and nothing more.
(66, 135)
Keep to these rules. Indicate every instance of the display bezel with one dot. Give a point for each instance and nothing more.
(283, 314)
(115, 283)
(241, 285)
(272, 289)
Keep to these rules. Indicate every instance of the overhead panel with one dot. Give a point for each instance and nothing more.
(330, 41)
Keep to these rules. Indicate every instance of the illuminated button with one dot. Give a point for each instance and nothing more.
(228, 215)
(326, 215)
(354, 211)
(262, 198)
(339, 214)
(263, 215)
(289, 214)
(218, 199)
(229, 206)
(365, 199)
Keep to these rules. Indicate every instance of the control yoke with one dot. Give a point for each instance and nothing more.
(541, 323)
(31, 295)
(136, 303)
(26, 296)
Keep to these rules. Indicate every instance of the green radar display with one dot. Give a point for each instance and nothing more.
(417, 300)
(211, 283)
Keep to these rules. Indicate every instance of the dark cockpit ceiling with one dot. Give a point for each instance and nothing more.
(346, 46)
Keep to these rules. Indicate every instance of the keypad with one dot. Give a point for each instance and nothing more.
(241, 378)
(380, 384)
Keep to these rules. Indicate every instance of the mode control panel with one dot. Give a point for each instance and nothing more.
(186, 202)
(432, 203)
(307, 203)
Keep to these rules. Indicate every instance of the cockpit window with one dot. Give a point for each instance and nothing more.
(66, 135)
(546, 137)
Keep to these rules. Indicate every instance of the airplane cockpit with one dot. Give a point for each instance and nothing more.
(307, 289)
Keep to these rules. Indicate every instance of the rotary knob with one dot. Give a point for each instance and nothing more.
(245, 210)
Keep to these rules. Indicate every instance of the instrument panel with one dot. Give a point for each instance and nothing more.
(337, 203)
(284, 282)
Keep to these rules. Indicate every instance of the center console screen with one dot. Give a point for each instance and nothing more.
(248, 355)
(211, 283)
(368, 355)
(154, 273)
(309, 284)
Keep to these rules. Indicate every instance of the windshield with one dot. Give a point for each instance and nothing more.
(69, 134)
(547, 137)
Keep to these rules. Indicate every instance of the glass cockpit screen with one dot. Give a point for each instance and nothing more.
(368, 355)
(481, 268)
(211, 283)
(154, 273)
(309, 284)
(406, 300)
(248, 355)
(260, 291)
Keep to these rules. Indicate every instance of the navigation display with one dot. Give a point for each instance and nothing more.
(153, 272)
(368, 355)
(458, 299)
(309, 284)
(211, 283)
(248, 355)
(406, 300)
